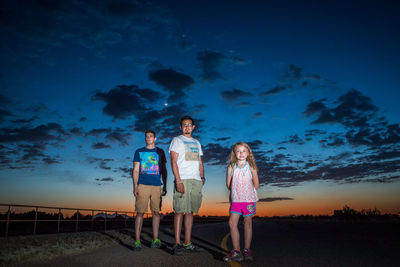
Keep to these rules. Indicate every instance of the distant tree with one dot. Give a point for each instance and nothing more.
(371, 212)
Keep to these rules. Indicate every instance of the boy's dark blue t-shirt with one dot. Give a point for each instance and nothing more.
(150, 165)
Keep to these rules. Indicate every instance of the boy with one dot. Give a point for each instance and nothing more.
(149, 167)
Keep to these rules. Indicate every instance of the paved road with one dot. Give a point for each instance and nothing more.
(274, 244)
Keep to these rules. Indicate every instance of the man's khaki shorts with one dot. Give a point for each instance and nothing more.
(190, 201)
(147, 192)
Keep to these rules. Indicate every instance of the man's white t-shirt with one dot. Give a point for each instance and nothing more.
(189, 150)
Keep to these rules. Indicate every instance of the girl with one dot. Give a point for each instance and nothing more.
(242, 180)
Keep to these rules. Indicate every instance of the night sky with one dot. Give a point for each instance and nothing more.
(312, 86)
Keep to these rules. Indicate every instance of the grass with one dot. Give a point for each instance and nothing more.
(21, 249)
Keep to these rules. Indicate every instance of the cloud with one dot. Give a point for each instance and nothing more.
(76, 131)
(293, 73)
(102, 163)
(24, 121)
(265, 199)
(277, 89)
(166, 122)
(118, 135)
(234, 94)
(99, 131)
(342, 168)
(44, 132)
(100, 145)
(215, 154)
(32, 152)
(314, 132)
(272, 199)
(124, 101)
(294, 139)
(255, 144)
(95, 26)
(24, 147)
(359, 116)
(107, 179)
(223, 138)
(4, 100)
(185, 43)
(4, 113)
(172, 81)
(286, 170)
(293, 77)
(49, 160)
(211, 61)
(353, 110)
(126, 172)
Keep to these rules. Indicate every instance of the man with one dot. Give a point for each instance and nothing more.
(149, 166)
(188, 170)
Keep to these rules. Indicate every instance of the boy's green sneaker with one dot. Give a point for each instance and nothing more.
(156, 243)
(178, 249)
(137, 245)
(192, 248)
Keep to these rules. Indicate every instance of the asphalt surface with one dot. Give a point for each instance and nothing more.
(284, 243)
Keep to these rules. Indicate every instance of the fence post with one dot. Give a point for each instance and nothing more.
(77, 219)
(92, 218)
(126, 216)
(59, 218)
(105, 220)
(8, 220)
(34, 227)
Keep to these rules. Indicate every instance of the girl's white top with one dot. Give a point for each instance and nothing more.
(242, 187)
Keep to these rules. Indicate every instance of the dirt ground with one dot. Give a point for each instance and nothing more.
(20, 249)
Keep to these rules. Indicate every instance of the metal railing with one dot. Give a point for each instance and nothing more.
(59, 219)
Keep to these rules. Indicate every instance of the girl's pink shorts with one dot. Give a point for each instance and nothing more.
(243, 208)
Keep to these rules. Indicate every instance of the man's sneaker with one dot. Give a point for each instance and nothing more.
(192, 248)
(247, 254)
(137, 245)
(233, 256)
(178, 249)
(156, 243)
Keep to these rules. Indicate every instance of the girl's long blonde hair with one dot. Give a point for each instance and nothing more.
(250, 158)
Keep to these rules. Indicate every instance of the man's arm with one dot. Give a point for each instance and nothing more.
(202, 170)
(174, 165)
(135, 178)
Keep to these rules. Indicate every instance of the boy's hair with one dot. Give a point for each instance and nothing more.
(250, 158)
(187, 118)
(150, 131)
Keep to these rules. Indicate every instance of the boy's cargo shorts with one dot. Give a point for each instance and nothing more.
(190, 201)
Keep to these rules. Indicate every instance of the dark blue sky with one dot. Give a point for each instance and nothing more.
(312, 86)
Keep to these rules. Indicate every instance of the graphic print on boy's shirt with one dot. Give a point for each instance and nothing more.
(191, 151)
(149, 163)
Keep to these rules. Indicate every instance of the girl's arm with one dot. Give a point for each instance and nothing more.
(229, 177)
(256, 182)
